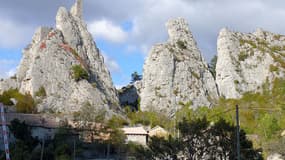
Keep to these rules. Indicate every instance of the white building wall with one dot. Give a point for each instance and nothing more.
(141, 139)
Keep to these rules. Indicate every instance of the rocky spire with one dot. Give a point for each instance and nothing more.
(176, 28)
(76, 9)
(175, 74)
(48, 63)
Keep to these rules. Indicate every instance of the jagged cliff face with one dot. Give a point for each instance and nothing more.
(175, 73)
(247, 61)
(47, 62)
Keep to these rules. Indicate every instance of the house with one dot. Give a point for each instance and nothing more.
(136, 134)
(42, 126)
(158, 132)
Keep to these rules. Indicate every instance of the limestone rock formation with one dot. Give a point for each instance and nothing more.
(129, 95)
(275, 156)
(175, 73)
(48, 61)
(247, 61)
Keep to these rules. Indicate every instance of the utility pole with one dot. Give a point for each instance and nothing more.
(43, 147)
(237, 134)
(74, 148)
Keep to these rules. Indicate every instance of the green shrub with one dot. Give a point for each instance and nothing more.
(187, 104)
(194, 74)
(277, 37)
(175, 91)
(242, 56)
(94, 85)
(273, 68)
(242, 42)
(276, 48)
(25, 102)
(41, 92)
(79, 73)
(151, 118)
(6, 96)
(250, 42)
(261, 48)
(14, 77)
(171, 50)
(181, 44)
(262, 42)
(73, 51)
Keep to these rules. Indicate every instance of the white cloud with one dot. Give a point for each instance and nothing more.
(111, 64)
(206, 18)
(11, 72)
(13, 34)
(7, 68)
(107, 30)
(119, 86)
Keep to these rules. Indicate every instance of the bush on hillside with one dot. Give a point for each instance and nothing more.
(79, 73)
(25, 102)
(41, 92)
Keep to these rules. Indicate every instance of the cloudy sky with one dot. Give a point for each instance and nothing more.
(126, 29)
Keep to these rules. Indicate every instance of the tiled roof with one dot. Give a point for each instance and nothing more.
(134, 130)
(37, 120)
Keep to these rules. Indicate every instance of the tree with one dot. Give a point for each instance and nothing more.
(212, 66)
(162, 148)
(194, 137)
(25, 143)
(23, 132)
(136, 77)
(88, 115)
(159, 148)
(202, 140)
(90, 119)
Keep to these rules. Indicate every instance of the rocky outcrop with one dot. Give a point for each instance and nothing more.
(247, 61)
(7, 84)
(275, 157)
(175, 73)
(129, 95)
(48, 61)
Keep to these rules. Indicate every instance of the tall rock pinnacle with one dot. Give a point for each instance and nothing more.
(175, 73)
(49, 60)
(178, 30)
(76, 9)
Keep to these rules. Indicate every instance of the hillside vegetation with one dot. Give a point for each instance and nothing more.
(261, 115)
